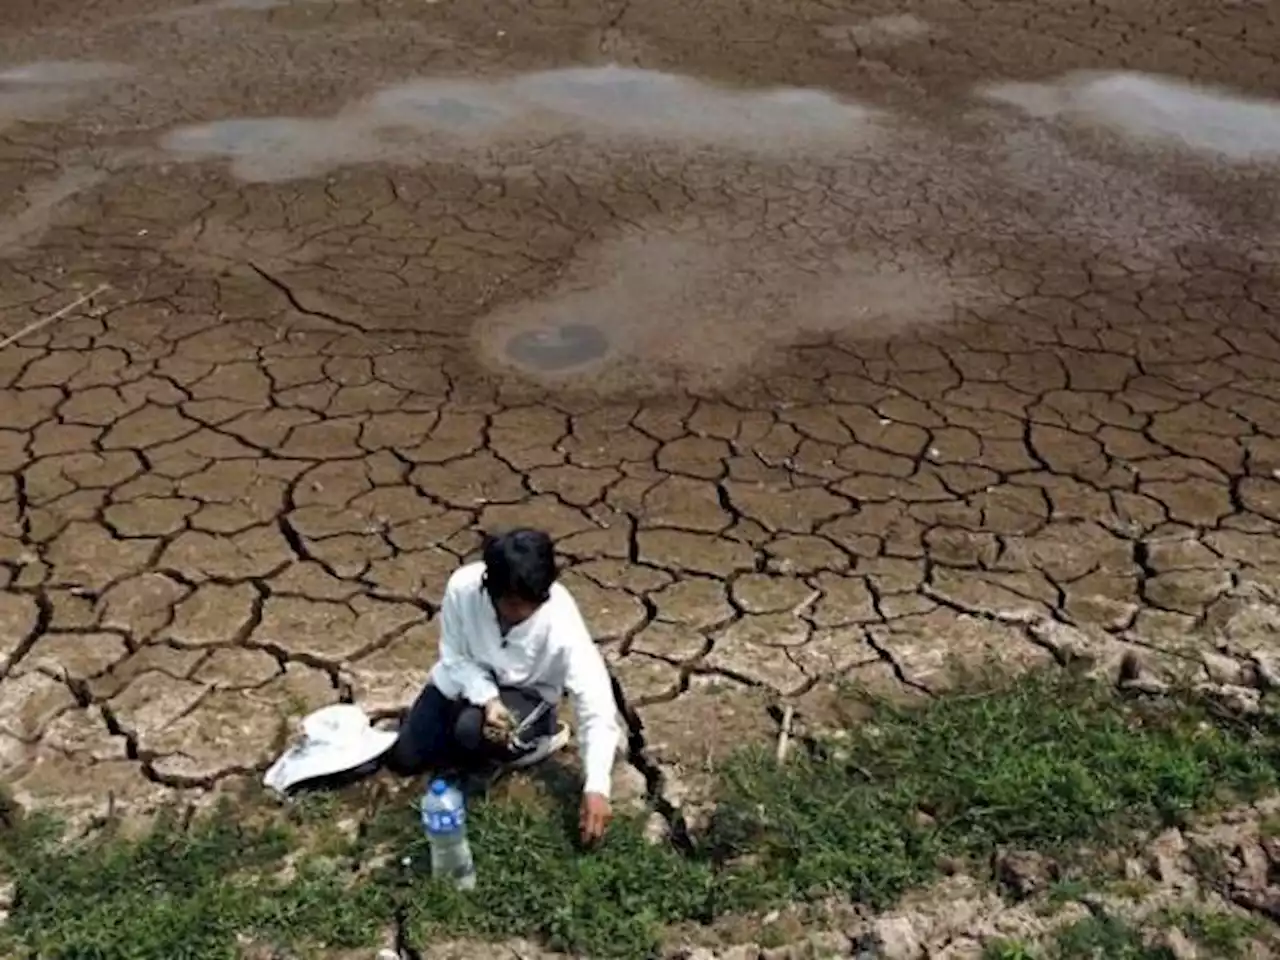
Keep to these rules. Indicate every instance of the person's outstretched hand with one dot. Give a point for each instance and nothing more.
(594, 818)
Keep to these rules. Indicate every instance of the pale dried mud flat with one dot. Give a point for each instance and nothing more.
(831, 346)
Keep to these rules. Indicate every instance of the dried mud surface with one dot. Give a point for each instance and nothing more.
(830, 344)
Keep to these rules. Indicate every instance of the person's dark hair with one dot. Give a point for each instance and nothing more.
(519, 563)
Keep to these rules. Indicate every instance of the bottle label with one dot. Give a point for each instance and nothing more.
(445, 821)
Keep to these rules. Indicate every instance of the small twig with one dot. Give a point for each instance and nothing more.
(44, 321)
(803, 606)
(784, 734)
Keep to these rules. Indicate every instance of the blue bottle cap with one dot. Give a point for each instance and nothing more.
(439, 788)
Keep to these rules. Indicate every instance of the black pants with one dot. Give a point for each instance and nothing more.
(441, 733)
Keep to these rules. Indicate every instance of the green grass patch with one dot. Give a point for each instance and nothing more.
(182, 893)
(611, 902)
(1010, 950)
(1046, 762)
(1222, 935)
(1105, 938)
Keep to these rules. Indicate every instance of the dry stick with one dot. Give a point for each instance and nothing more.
(803, 606)
(784, 735)
(44, 321)
(789, 712)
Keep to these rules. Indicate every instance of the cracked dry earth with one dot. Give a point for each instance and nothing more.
(832, 341)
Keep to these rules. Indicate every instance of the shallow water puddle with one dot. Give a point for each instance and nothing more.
(570, 346)
(1147, 107)
(34, 91)
(695, 303)
(62, 72)
(450, 106)
(437, 118)
(220, 6)
(666, 106)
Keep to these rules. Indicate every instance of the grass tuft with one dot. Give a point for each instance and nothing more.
(1105, 938)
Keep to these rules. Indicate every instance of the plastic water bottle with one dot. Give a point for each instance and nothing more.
(444, 818)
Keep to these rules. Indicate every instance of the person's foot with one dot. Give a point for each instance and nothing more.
(481, 780)
(543, 748)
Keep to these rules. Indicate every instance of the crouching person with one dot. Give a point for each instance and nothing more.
(512, 642)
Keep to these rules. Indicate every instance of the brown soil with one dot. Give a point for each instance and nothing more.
(904, 343)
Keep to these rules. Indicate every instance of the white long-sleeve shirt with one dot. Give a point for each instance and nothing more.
(551, 652)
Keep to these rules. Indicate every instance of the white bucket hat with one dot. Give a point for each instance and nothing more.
(335, 739)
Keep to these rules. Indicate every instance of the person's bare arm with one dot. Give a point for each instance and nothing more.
(591, 691)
